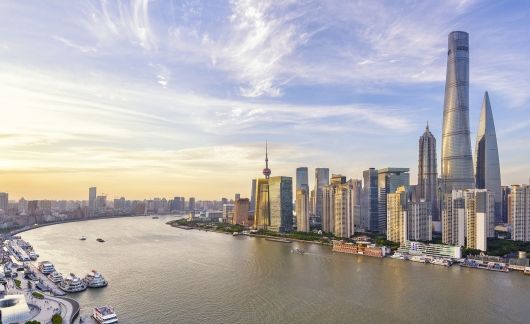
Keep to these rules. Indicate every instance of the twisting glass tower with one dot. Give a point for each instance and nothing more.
(427, 171)
(457, 161)
(487, 168)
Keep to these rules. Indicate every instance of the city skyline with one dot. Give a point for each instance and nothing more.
(154, 99)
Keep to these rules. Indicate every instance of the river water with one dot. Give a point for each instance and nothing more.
(161, 274)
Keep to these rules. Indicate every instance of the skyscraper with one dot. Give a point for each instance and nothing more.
(328, 202)
(92, 195)
(457, 161)
(479, 218)
(506, 190)
(520, 212)
(427, 171)
(321, 180)
(281, 203)
(302, 210)
(241, 207)
(262, 212)
(369, 201)
(396, 223)
(4, 201)
(487, 168)
(253, 196)
(302, 178)
(453, 218)
(388, 181)
(357, 188)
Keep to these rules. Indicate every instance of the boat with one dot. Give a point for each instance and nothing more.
(72, 283)
(55, 277)
(281, 240)
(100, 240)
(83, 238)
(94, 279)
(526, 270)
(46, 267)
(154, 217)
(417, 258)
(105, 315)
(442, 262)
(33, 255)
(236, 234)
(298, 251)
(398, 255)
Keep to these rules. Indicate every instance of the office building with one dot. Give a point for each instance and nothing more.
(396, 222)
(419, 220)
(321, 180)
(519, 212)
(228, 213)
(453, 218)
(302, 179)
(343, 225)
(505, 192)
(262, 205)
(4, 201)
(388, 181)
(281, 203)
(191, 204)
(356, 192)
(241, 208)
(328, 203)
(487, 167)
(369, 201)
(302, 210)
(427, 171)
(480, 218)
(457, 161)
(253, 196)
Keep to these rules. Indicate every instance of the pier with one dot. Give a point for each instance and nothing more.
(54, 289)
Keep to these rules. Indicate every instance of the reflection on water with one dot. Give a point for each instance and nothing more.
(161, 274)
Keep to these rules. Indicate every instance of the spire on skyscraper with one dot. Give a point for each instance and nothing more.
(266, 171)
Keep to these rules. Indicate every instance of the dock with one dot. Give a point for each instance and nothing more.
(54, 289)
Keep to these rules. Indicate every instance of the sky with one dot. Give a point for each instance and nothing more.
(177, 98)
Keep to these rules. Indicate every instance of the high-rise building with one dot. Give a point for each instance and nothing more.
(241, 208)
(262, 205)
(237, 197)
(228, 213)
(457, 161)
(191, 204)
(388, 181)
(4, 201)
(397, 203)
(92, 195)
(302, 178)
(505, 203)
(369, 201)
(321, 180)
(520, 212)
(453, 218)
(328, 203)
(302, 210)
(419, 220)
(480, 216)
(343, 214)
(253, 196)
(281, 203)
(427, 171)
(487, 168)
(357, 188)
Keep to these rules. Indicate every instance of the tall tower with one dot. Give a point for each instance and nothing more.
(457, 161)
(262, 211)
(427, 171)
(302, 181)
(321, 180)
(487, 168)
(266, 171)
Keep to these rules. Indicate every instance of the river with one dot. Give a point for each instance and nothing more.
(161, 274)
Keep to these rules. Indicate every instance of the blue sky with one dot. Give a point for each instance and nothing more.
(164, 98)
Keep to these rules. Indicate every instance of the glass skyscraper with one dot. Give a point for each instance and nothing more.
(427, 171)
(457, 161)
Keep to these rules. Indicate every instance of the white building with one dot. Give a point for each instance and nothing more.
(519, 212)
(14, 309)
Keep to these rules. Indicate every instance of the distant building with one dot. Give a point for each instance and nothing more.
(241, 208)
(520, 212)
(92, 195)
(388, 181)
(321, 180)
(487, 167)
(228, 213)
(253, 196)
(237, 197)
(191, 204)
(302, 179)
(356, 191)
(4, 201)
(302, 210)
(428, 172)
(369, 201)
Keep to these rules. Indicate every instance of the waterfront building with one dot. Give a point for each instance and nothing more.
(520, 212)
(241, 208)
(428, 172)
(431, 250)
(369, 201)
(321, 180)
(302, 179)
(419, 220)
(228, 213)
(92, 194)
(343, 211)
(457, 161)
(480, 217)
(397, 215)
(505, 191)
(262, 208)
(487, 167)
(4, 201)
(302, 210)
(281, 203)
(356, 194)
(453, 218)
(388, 181)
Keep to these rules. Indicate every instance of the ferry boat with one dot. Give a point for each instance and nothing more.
(94, 279)
(83, 238)
(298, 251)
(526, 271)
(100, 240)
(417, 258)
(72, 283)
(398, 255)
(46, 267)
(33, 255)
(281, 240)
(55, 277)
(442, 262)
(105, 315)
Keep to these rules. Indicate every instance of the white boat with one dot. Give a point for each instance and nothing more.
(46, 267)
(398, 255)
(94, 279)
(105, 315)
(416, 258)
(526, 270)
(55, 277)
(72, 283)
(442, 262)
(83, 238)
(33, 255)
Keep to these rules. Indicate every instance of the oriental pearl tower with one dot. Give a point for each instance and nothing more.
(266, 171)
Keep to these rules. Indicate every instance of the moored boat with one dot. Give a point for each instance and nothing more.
(72, 283)
(526, 271)
(55, 277)
(46, 267)
(105, 315)
(94, 279)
